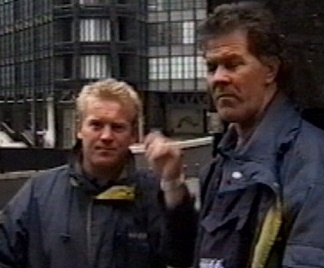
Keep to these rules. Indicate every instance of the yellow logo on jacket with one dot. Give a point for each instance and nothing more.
(118, 192)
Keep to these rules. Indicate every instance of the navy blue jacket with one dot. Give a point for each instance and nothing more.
(282, 161)
(55, 221)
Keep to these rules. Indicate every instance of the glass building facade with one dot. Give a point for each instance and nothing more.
(49, 49)
(176, 70)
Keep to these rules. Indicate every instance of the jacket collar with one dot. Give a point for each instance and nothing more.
(79, 178)
(277, 129)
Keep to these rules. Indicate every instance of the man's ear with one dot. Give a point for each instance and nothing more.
(273, 65)
(135, 134)
(79, 135)
(78, 128)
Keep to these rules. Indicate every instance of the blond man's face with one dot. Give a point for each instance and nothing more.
(106, 130)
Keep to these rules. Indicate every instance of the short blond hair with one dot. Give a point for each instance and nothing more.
(111, 89)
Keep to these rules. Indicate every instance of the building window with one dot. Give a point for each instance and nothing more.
(94, 2)
(153, 69)
(42, 71)
(183, 68)
(7, 75)
(95, 67)
(171, 33)
(160, 5)
(188, 32)
(6, 14)
(180, 4)
(163, 68)
(159, 68)
(190, 4)
(157, 34)
(173, 5)
(63, 30)
(63, 67)
(2, 16)
(201, 67)
(155, 5)
(179, 67)
(189, 68)
(176, 33)
(94, 30)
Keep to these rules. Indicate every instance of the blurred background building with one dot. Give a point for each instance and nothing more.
(49, 49)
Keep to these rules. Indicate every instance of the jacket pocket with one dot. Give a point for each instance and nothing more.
(215, 221)
(132, 249)
(226, 237)
(229, 212)
(138, 249)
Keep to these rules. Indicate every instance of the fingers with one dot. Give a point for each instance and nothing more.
(158, 146)
(154, 138)
(163, 155)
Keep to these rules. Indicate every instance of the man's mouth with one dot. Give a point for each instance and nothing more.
(105, 150)
(224, 96)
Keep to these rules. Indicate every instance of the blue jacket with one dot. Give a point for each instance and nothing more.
(56, 221)
(268, 194)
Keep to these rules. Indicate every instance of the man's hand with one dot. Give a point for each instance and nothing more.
(164, 156)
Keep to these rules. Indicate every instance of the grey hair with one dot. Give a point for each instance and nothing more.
(262, 29)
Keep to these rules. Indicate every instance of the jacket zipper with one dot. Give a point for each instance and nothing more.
(88, 226)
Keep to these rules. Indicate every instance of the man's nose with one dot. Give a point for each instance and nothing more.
(220, 75)
(106, 132)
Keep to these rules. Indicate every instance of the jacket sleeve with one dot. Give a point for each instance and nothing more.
(14, 229)
(305, 244)
(180, 234)
(173, 231)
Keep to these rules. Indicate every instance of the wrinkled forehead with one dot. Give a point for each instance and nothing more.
(217, 33)
(230, 44)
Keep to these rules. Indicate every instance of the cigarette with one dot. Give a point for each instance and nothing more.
(183, 144)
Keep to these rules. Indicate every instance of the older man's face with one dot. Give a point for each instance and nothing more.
(240, 84)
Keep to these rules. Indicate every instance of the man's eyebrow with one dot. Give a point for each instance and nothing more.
(228, 56)
(233, 56)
